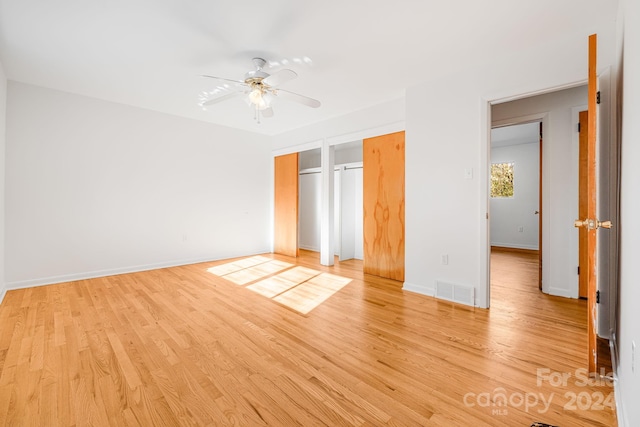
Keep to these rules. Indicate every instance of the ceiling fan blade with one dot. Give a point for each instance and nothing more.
(280, 77)
(267, 112)
(240, 82)
(305, 100)
(220, 98)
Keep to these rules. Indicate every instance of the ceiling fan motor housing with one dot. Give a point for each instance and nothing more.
(259, 63)
(255, 75)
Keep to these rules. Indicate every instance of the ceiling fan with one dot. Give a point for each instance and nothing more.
(260, 87)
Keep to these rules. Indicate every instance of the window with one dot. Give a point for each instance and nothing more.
(502, 180)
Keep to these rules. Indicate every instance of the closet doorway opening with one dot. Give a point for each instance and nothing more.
(348, 188)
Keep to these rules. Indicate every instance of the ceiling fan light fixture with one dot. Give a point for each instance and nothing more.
(255, 96)
(259, 98)
(259, 88)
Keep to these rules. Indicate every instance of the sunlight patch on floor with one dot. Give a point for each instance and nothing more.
(256, 272)
(282, 282)
(310, 294)
(299, 288)
(232, 267)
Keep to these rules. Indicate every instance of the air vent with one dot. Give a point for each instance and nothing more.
(456, 293)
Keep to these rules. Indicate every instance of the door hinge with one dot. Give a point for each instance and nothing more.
(598, 97)
(578, 127)
(597, 297)
(578, 270)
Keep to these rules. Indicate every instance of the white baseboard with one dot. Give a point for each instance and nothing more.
(3, 292)
(22, 284)
(560, 292)
(620, 414)
(419, 289)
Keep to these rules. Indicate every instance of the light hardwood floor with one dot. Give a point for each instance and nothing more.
(181, 346)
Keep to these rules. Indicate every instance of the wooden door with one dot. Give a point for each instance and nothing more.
(383, 205)
(285, 239)
(583, 259)
(589, 223)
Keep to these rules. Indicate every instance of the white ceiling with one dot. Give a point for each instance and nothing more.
(150, 53)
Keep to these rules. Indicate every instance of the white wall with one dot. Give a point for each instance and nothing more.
(95, 188)
(358, 232)
(510, 215)
(344, 127)
(309, 159)
(349, 153)
(309, 192)
(347, 211)
(629, 316)
(559, 182)
(3, 111)
(446, 211)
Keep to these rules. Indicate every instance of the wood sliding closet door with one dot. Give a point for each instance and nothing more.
(383, 205)
(285, 239)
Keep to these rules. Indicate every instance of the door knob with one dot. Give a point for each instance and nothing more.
(586, 223)
(536, 212)
(592, 224)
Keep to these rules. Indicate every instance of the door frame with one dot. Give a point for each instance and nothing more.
(484, 271)
(326, 144)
